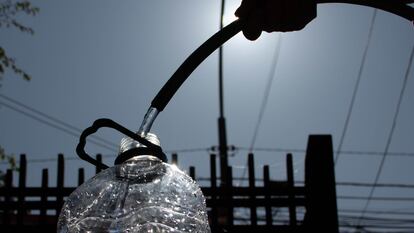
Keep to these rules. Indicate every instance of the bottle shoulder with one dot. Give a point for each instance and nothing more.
(170, 196)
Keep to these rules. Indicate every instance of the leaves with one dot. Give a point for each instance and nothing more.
(9, 62)
(9, 158)
(9, 10)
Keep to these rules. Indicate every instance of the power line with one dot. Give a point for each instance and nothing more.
(378, 185)
(368, 185)
(265, 95)
(344, 183)
(391, 134)
(348, 221)
(404, 154)
(55, 126)
(206, 149)
(348, 152)
(268, 87)
(376, 198)
(55, 120)
(373, 212)
(52, 159)
(389, 221)
(74, 128)
(377, 212)
(356, 87)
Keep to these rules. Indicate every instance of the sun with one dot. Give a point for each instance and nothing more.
(228, 18)
(229, 10)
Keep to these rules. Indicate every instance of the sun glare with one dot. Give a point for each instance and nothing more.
(230, 8)
(228, 18)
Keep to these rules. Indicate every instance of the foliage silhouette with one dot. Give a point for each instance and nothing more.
(10, 10)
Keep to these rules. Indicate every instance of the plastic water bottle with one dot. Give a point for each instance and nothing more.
(141, 195)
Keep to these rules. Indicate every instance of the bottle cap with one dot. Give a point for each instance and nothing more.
(129, 148)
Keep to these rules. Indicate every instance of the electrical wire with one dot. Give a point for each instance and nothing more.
(266, 95)
(375, 212)
(206, 149)
(376, 198)
(55, 126)
(220, 64)
(378, 185)
(344, 183)
(382, 220)
(108, 155)
(356, 87)
(348, 152)
(391, 133)
(378, 212)
(405, 220)
(54, 119)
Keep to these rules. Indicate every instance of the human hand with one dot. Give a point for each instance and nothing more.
(275, 15)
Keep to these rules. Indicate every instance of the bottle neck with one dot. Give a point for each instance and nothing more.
(141, 169)
(139, 158)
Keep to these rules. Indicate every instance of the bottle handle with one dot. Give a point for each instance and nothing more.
(108, 123)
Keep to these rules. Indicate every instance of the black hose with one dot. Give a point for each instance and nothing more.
(398, 7)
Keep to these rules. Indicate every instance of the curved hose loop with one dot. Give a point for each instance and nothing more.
(100, 123)
(398, 7)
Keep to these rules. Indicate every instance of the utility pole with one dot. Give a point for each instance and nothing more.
(225, 214)
(221, 120)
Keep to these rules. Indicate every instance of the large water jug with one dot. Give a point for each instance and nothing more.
(143, 194)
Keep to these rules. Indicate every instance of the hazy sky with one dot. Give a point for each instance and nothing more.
(95, 59)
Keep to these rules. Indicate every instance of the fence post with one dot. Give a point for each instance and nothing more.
(99, 159)
(321, 206)
(174, 159)
(192, 172)
(8, 183)
(268, 207)
(22, 184)
(291, 190)
(213, 180)
(43, 197)
(229, 196)
(252, 186)
(81, 176)
(59, 186)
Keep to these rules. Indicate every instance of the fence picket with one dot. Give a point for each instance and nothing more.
(291, 195)
(268, 208)
(60, 180)
(22, 184)
(221, 200)
(213, 186)
(192, 172)
(174, 159)
(229, 196)
(99, 159)
(8, 182)
(252, 186)
(43, 197)
(81, 176)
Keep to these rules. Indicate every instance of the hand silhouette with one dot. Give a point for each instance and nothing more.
(275, 15)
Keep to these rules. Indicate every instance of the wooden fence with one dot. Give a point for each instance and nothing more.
(37, 208)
